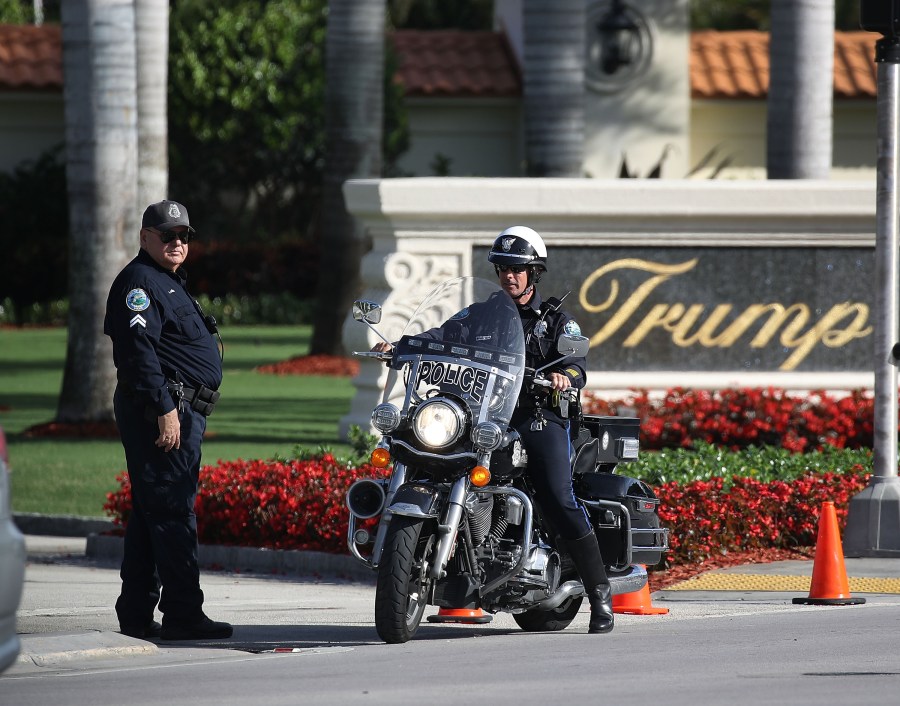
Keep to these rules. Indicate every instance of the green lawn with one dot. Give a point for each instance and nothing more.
(259, 416)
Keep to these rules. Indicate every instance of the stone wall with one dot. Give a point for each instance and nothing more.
(677, 283)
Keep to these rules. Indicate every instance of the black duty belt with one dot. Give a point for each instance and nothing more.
(201, 399)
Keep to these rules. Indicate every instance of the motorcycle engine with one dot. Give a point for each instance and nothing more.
(539, 576)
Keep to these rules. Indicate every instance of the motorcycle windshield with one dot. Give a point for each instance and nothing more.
(465, 341)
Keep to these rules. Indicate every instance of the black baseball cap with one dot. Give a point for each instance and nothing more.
(166, 215)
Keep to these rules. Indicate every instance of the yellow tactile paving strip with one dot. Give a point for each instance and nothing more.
(766, 582)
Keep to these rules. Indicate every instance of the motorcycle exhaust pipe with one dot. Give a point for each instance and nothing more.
(365, 498)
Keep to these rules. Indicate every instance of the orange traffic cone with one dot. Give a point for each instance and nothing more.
(460, 615)
(636, 603)
(829, 584)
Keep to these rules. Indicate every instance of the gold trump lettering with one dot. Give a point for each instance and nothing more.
(793, 325)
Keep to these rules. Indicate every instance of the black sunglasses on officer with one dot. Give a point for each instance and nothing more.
(515, 269)
(168, 236)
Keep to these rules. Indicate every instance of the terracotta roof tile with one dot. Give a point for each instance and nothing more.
(854, 65)
(736, 64)
(30, 57)
(456, 63)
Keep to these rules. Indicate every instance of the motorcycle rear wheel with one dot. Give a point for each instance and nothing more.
(549, 620)
(401, 592)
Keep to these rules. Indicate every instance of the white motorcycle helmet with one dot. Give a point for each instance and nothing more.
(519, 245)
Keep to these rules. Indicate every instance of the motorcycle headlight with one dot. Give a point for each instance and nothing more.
(438, 423)
(385, 418)
(487, 436)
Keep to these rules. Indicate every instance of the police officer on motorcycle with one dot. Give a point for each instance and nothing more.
(519, 257)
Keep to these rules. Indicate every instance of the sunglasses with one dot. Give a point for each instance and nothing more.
(170, 235)
(515, 269)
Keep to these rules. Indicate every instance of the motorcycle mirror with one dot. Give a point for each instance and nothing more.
(366, 311)
(571, 345)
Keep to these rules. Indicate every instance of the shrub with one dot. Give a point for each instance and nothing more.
(763, 464)
(34, 235)
(296, 504)
(299, 504)
(716, 517)
(737, 418)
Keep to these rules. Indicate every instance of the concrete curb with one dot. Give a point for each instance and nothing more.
(55, 649)
(108, 548)
(60, 525)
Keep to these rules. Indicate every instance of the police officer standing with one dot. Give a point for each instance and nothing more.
(169, 369)
(519, 257)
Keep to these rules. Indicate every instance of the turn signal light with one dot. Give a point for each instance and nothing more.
(380, 458)
(480, 476)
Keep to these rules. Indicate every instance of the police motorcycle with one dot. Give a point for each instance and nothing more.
(456, 525)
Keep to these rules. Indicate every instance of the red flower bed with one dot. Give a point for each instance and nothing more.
(710, 518)
(743, 417)
(281, 505)
(300, 505)
(313, 365)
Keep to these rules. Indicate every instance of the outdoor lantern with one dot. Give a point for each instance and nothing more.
(619, 38)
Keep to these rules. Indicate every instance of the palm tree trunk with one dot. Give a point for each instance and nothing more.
(101, 170)
(151, 18)
(554, 48)
(799, 119)
(354, 97)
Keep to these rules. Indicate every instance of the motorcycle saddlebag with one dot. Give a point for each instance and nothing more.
(618, 505)
(616, 440)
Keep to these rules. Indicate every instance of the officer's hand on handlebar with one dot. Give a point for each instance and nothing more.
(382, 347)
(559, 382)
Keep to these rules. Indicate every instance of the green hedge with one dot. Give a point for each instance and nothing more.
(764, 464)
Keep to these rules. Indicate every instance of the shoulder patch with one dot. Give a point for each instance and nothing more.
(572, 328)
(137, 300)
(460, 314)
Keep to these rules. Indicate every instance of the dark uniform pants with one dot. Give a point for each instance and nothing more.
(161, 534)
(549, 451)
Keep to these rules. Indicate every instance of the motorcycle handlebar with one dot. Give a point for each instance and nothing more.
(378, 355)
(570, 392)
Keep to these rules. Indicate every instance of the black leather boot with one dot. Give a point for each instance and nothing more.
(585, 553)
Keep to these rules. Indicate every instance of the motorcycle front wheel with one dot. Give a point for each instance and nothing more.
(549, 620)
(401, 592)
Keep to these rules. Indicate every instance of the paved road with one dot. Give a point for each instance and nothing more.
(714, 645)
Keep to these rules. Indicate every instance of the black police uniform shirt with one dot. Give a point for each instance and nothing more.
(540, 349)
(158, 333)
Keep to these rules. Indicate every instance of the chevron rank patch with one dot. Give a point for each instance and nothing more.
(137, 320)
(137, 300)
